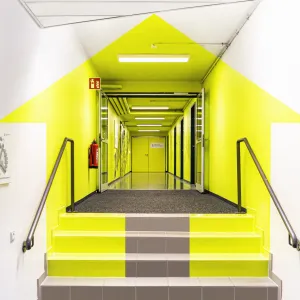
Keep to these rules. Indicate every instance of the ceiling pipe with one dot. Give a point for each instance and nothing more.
(126, 105)
(111, 87)
(122, 105)
(114, 106)
(119, 106)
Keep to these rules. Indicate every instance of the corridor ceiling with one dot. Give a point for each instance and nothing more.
(202, 29)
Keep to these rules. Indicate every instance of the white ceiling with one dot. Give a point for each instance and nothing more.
(50, 13)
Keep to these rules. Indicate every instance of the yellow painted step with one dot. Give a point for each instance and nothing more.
(225, 242)
(229, 265)
(89, 241)
(86, 265)
(221, 222)
(92, 221)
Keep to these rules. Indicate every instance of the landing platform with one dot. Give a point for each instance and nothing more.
(155, 201)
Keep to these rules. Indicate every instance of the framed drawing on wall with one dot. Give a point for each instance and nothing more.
(4, 158)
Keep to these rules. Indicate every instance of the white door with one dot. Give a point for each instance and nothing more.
(200, 133)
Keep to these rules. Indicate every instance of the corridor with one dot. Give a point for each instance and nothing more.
(150, 181)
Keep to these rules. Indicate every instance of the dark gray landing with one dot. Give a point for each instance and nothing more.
(164, 201)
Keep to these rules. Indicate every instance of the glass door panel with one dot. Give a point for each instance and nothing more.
(103, 142)
(200, 131)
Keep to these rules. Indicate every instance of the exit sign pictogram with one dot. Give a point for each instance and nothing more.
(95, 83)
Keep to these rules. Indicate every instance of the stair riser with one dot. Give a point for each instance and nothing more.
(132, 268)
(225, 245)
(221, 224)
(96, 244)
(193, 223)
(103, 223)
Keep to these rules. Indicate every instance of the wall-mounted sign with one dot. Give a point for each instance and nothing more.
(95, 83)
(157, 145)
(4, 159)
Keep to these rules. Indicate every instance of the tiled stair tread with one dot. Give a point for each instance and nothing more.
(159, 257)
(160, 281)
(171, 234)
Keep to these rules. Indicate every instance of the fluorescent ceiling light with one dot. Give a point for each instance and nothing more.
(150, 107)
(144, 130)
(149, 118)
(154, 58)
(104, 108)
(148, 125)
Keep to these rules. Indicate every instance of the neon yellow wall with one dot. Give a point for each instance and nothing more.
(187, 144)
(69, 110)
(238, 108)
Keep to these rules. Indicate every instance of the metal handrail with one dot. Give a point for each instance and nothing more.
(29, 242)
(293, 240)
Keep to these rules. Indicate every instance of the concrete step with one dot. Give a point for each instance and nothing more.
(156, 242)
(226, 288)
(157, 265)
(157, 222)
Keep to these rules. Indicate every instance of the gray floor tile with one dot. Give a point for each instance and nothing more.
(86, 293)
(178, 268)
(252, 281)
(185, 292)
(251, 293)
(273, 293)
(132, 224)
(218, 293)
(215, 281)
(152, 293)
(131, 268)
(151, 245)
(152, 268)
(177, 245)
(56, 293)
(118, 293)
(131, 244)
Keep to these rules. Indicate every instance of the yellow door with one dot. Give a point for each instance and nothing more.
(157, 157)
(140, 154)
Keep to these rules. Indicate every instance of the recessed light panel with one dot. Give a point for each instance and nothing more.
(154, 58)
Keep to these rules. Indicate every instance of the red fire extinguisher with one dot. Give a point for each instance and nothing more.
(93, 155)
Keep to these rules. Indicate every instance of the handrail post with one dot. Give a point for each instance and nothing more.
(239, 179)
(72, 177)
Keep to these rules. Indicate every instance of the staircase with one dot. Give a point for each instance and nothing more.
(157, 256)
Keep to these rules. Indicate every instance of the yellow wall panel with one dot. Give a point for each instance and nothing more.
(238, 108)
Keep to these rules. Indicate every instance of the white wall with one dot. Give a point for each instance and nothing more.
(266, 52)
(18, 203)
(285, 176)
(32, 59)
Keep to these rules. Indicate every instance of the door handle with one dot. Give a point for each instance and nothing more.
(146, 154)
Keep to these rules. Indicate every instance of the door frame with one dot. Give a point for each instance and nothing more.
(102, 186)
(200, 140)
(175, 150)
(182, 148)
(193, 144)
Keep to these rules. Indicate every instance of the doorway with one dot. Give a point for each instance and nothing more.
(193, 142)
(148, 155)
(182, 149)
(175, 150)
(103, 142)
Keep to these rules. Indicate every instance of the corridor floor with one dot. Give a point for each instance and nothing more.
(150, 181)
(155, 201)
